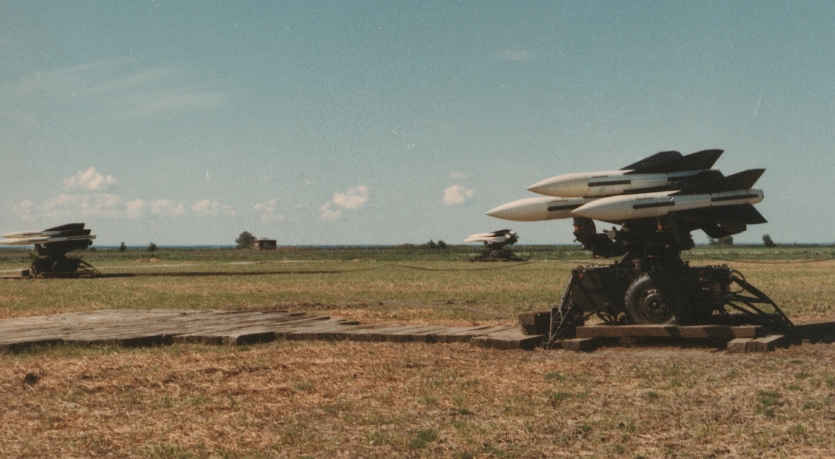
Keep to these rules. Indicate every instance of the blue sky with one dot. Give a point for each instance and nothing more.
(397, 122)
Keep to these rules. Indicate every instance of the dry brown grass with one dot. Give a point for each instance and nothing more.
(345, 399)
(348, 399)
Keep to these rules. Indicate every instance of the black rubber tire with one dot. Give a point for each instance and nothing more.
(652, 300)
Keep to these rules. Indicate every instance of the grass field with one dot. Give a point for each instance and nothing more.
(348, 399)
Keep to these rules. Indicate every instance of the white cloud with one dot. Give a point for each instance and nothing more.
(206, 208)
(167, 208)
(458, 176)
(90, 180)
(83, 205)
(516, 56)
(329, 213)
(267, 211)
(135, 208)
(456, 194)
(353, 199)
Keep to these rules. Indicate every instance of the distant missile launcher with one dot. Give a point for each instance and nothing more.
(658, 202)
(52, 246)
(495, 245)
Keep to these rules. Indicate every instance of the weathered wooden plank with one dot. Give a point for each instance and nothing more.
(535, 323)
(326, 331)
(465, 334)
(626, 331)
(762, 344)
(228, 327)
(508, 339)
(374, 333)
(717, 332)
(769, 343)
(411, 333)
(738, 345)
(155, 327)
(746, 331)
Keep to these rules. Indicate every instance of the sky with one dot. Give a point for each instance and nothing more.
(342, 123)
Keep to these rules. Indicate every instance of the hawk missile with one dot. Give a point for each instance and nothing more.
(710, 201)
(72, 236)
(648, 205)
(661, 171)
(537, 209)
(496, 237)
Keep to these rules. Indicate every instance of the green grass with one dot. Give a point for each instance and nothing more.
(387, 283)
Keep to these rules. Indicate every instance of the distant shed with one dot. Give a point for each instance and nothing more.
(264, 244)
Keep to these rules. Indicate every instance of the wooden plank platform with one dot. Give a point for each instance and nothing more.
(159, 327)
(717, 332)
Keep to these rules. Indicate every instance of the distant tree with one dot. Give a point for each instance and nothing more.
(431, 244)
(441, 244)
(152, 247)
(123, 247)
(244, 241)
(768, 242)
(727, 240)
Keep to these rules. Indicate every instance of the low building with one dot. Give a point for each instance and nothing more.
(264, 244)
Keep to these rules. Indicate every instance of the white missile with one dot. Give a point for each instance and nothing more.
(496, 237)
(44, 239)
(661, 171)
(537, 209)
(648, 205)
(606, 183)
(70, 233)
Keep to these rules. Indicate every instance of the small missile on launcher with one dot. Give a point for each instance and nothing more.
(495, 245)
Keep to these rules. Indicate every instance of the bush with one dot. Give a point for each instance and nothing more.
(244, 241)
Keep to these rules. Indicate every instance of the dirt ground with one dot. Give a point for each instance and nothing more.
(347, 399)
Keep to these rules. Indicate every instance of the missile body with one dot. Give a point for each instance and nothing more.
(496, 237)
(629, 207)
(659, 172)
(44, 239)
(607, 183)
(537, 209)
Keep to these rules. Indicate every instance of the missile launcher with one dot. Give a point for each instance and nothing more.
(52, 246)
(657, 202)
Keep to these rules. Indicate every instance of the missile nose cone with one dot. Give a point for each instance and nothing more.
(523, 210)
(505, 211)
(543, 186)
(566, 186)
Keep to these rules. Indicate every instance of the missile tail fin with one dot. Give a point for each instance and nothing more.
(672, 161)
(714, 182)
(718, 222)
(739, 181)
(67, 227)
(745, 213)
(654, 161)
(700, 160)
